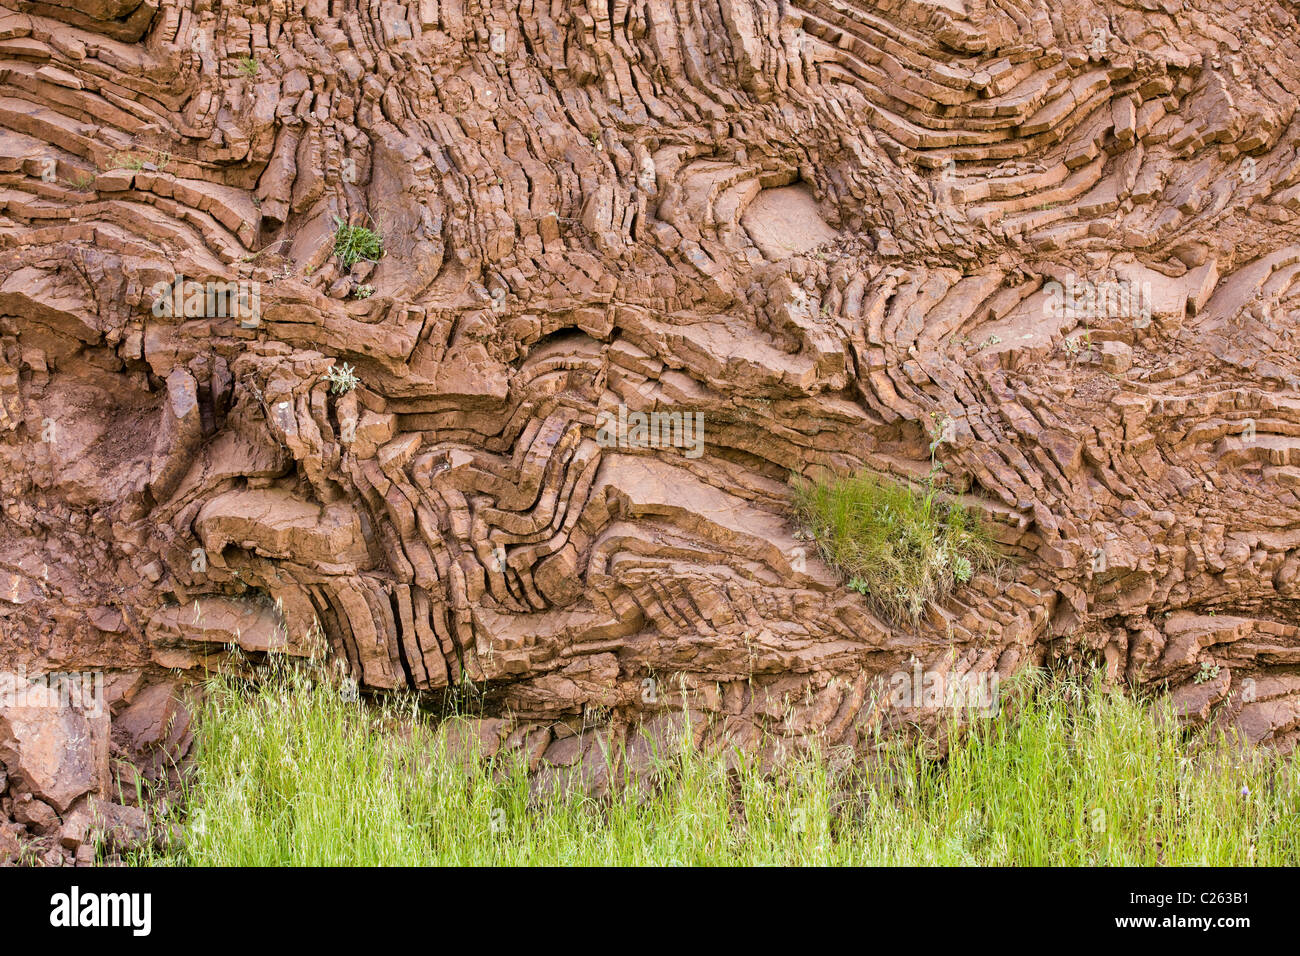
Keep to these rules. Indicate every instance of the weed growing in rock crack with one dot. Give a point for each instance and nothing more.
(341, 378)
(1079, 345)
(248, 66)
(901, 546)
(352, 244)
(157, 161)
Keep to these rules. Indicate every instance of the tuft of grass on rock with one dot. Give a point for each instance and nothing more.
(352, 244)
(902, 547)
(294, 771)
(155, 161)
(127, 161)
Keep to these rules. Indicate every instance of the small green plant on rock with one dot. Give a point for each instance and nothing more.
(342, 378)
(352, 244)
(900, 545)
(157, 161)
(1079, 345)
(248, 66)
(127, 161)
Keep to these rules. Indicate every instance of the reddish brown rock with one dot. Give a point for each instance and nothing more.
(52, 753)
(37, 815)
(154, 732)
(801, 234)
(10, 844)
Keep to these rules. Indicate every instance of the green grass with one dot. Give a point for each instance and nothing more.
(901, 546)
(355, 243)
(123, 161)
(136, 163)
(292, 772)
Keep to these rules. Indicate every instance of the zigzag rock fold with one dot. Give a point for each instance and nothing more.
(792, 235)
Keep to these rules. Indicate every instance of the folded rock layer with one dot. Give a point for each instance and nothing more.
(794, 236)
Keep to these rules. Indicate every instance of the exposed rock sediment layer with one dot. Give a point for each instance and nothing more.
(1066, 232)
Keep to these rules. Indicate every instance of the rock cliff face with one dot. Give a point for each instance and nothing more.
(801, 234)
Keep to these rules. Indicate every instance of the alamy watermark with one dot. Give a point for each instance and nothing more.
(74, 909)
(935, 689)
(82, 690)
(1085, 301)
(182, 298)
(627, 430)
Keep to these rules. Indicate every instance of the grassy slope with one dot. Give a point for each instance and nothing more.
(291, 773)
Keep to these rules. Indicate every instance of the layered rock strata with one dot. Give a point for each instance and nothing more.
(803, 235)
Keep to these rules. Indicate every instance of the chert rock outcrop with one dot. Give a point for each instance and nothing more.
(1066, 233)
